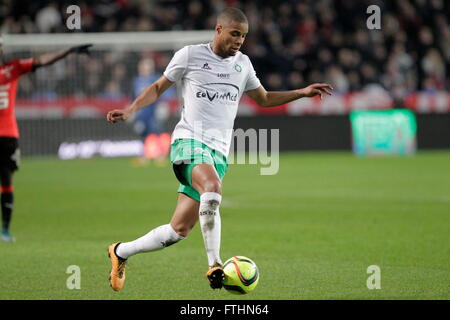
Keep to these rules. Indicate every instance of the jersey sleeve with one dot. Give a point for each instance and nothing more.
(252, 80)
(26, 65)
(14, 69)
(178, 65)
(21, 66)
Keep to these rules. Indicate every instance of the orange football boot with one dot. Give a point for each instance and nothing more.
(215, 276)
(117, 274)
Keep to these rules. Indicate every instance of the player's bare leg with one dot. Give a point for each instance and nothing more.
(206, 181)
(183, 220)
(185, 216)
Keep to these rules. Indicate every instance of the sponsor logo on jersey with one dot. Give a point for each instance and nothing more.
(229, 94)
(223, 75)
(226, 96)
(206, 66)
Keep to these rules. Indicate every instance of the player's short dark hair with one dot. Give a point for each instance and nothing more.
(231, 14)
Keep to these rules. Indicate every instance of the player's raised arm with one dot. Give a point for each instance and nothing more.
(275, 98)
(50, 58)
(147, 97)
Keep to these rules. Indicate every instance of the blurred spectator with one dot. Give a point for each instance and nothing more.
(434, 69)
(274, 82)
(354, 81)
(295, 81)
(369, 74)
(338, 79)
(92, 85)
(119, 75)
(112, 91)
(193, 18)
(48, 18)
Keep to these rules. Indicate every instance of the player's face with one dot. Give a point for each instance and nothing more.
(232, 37)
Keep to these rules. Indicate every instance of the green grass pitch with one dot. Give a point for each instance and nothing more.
(313, 229)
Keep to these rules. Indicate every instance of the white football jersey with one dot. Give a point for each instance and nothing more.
(211, 88)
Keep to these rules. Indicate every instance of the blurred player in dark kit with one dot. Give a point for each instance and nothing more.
(10, 73)
(146, 123)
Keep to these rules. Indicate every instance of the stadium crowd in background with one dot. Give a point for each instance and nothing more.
(291, 43)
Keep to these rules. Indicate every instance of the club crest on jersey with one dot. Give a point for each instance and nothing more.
(206, 66)
(237, 67)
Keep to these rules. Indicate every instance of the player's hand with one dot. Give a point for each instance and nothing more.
(116, 115)
(83, 49)
(317, 89)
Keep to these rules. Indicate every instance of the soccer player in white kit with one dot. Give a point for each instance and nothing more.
(212, 78)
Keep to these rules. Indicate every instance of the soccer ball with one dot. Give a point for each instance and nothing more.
(241, 275)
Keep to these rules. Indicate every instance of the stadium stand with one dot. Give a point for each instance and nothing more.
(291, 43)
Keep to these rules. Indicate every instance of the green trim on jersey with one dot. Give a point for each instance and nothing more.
(185, 154)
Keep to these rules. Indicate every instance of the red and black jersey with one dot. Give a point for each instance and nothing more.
(9, 76)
